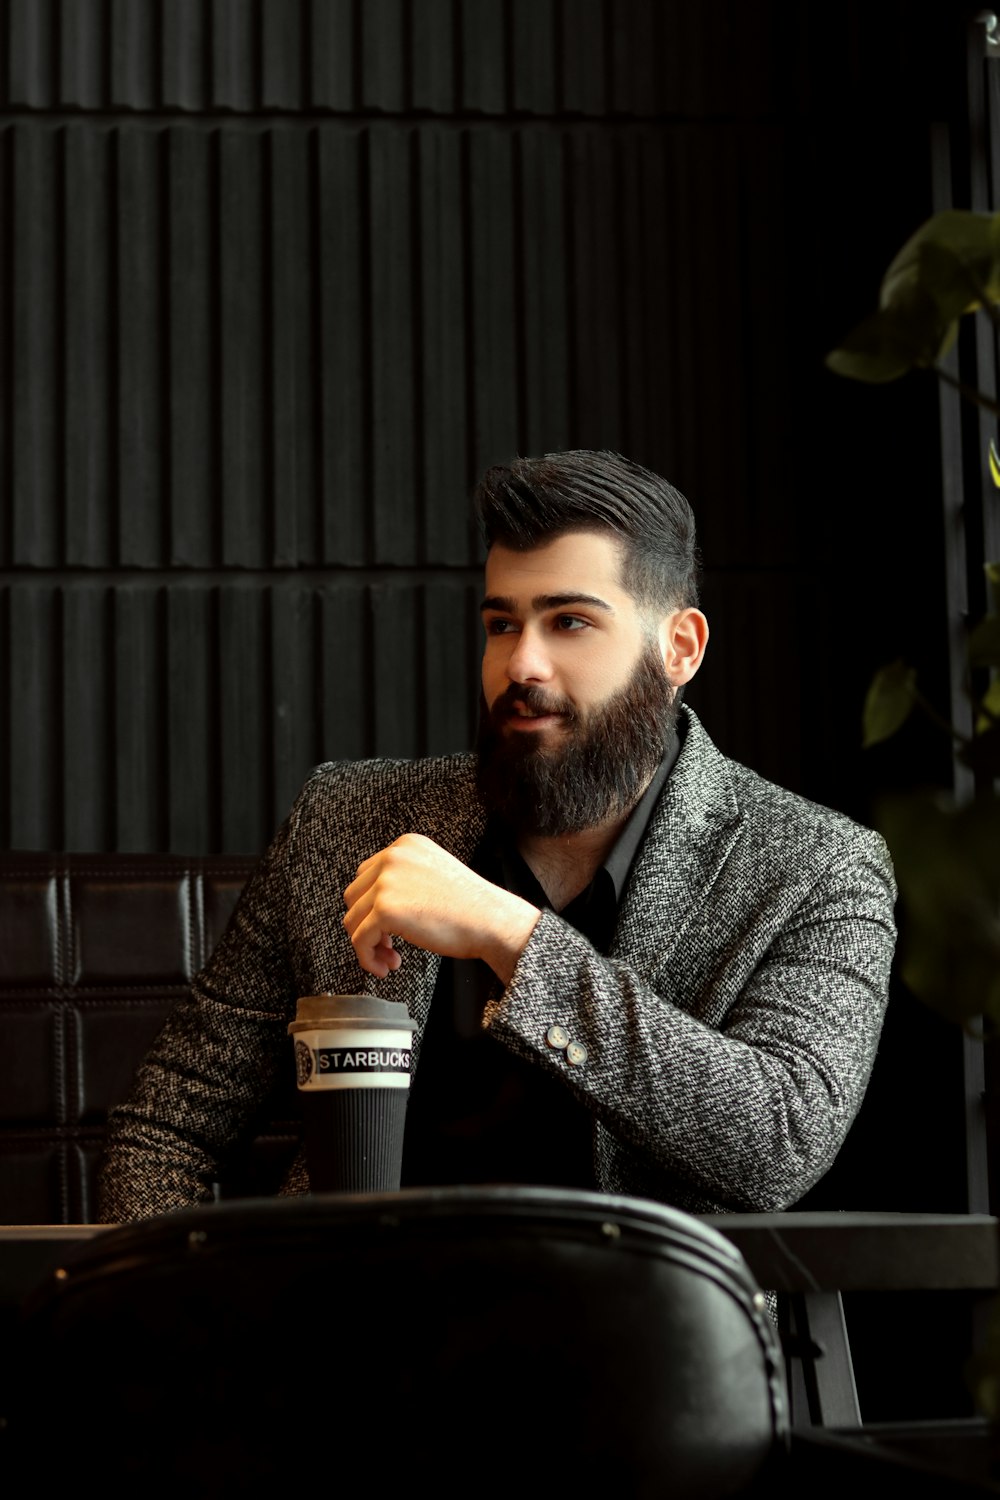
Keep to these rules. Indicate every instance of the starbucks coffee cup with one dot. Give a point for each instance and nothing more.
(352, 1065)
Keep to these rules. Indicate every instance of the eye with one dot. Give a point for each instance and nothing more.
(498, 626)
(570, 622)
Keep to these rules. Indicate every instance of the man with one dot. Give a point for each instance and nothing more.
(634, 965)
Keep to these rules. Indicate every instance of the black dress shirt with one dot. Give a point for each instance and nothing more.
(478, 1113)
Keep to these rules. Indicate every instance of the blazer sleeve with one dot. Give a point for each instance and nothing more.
(202, 1082)
(737, 1086)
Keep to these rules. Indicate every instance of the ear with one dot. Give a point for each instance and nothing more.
(683, 636)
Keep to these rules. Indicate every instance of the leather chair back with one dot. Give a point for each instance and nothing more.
(486, 1341)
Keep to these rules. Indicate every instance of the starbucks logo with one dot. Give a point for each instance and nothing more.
(303, 1064)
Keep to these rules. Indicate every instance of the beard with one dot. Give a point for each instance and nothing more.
(595, 771)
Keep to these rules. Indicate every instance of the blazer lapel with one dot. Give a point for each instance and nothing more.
(690, 834)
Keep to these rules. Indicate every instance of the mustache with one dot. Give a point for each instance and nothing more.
(534, 699)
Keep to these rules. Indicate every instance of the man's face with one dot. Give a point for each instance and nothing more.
(561, 632)
(577, 702)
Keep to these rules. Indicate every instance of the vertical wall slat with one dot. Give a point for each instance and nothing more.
(83, 82)
(342, 670)
(597, 313)
(583, 57)
(483, 56)
(547, 279)
(139, 729)
(634, 61)
(233, 54)
(140, 407)
(445, 668)
(715, 322)
(193, 376)
(383, 61)
(392, 355)
(533, 57)
(654, 417)
(87, 710)
(443, 351)
(35, 720)
(7, 713)
(185, 69)
(245, 729)
(637, 369)
(281, 53)
(394, 627)
(343, 345)
(432, 56)
(191, 713)
(685, 292)
(296, 711)
(134, 48)
(292, 397)
(36, 297)
(89, 356)
(7, 405)
(332, 55)
(32, 52)
(244, 310)
(494, 311)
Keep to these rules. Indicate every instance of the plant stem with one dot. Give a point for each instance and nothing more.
(968, 391)
(939, 719)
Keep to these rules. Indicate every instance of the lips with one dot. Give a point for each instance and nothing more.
(522, 707)
(519, 712)
(522, 720)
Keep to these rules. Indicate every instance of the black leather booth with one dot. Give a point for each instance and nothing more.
(94, 950)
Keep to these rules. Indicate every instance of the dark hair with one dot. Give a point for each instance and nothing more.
(532, 501)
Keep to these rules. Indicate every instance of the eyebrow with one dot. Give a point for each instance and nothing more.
(506, 605)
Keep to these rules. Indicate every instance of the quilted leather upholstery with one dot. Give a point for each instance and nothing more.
(94, 950)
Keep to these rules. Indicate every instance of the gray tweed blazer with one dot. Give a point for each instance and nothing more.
(730, 1033)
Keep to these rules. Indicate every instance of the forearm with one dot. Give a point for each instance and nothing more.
(739, 1083)
(204, 1078)
(192, 1099)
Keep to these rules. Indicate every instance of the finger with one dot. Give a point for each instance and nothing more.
(375, 952)
(364, 879)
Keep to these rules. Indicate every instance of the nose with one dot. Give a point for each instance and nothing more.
(529, 661)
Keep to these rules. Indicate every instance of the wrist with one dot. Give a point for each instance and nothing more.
(516, 921)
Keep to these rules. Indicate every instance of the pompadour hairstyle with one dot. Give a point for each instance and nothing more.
(532, 501)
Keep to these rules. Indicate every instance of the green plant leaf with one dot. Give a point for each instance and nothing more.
(888, 702)
(950, 266)
(992, 571)
(984, 643)
(894, 340)
(989, 703)
(994, 459)
(947, 863)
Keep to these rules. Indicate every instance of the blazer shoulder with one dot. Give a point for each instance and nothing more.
(431, 775)
(776, 819)
(382, 799)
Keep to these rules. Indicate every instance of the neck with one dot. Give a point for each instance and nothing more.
(565, 864)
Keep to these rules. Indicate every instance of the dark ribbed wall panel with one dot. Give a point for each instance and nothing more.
(280, 278)
(255, 347)
(186, 716)
(495, 57)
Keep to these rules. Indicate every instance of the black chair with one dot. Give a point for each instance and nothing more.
(484, 1341)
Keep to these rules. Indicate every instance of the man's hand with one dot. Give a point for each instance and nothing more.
(415, 890)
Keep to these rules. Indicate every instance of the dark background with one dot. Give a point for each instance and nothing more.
(278, 279)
